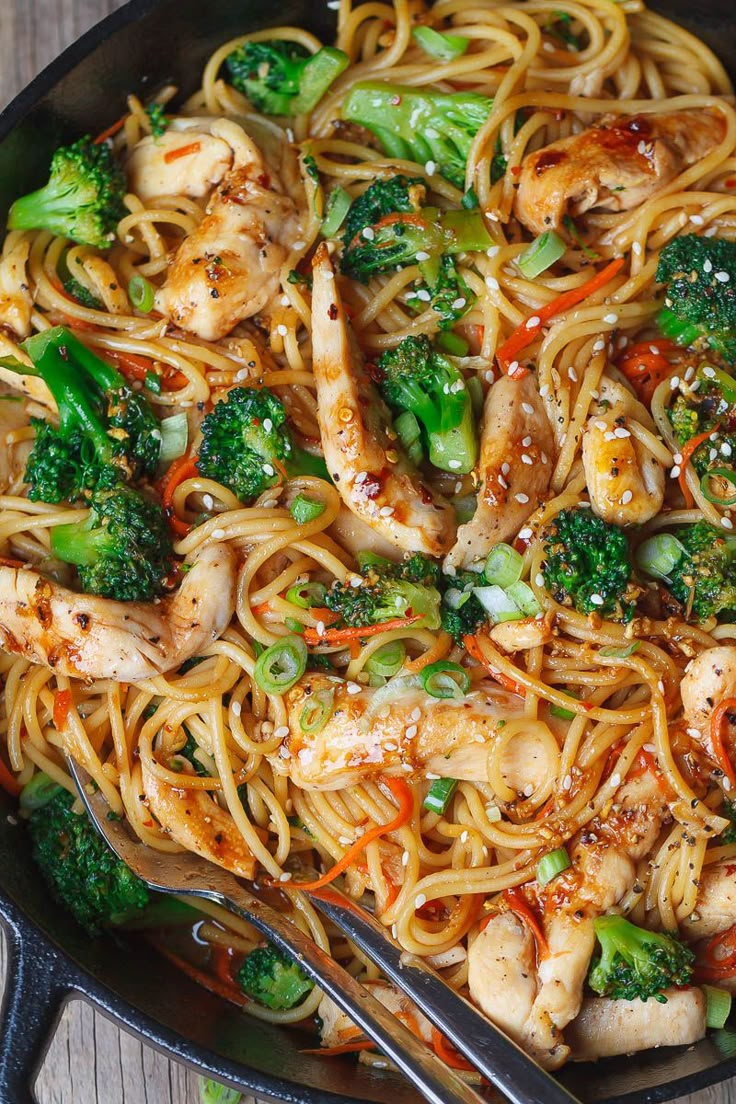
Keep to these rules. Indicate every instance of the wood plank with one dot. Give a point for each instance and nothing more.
(90, 1060)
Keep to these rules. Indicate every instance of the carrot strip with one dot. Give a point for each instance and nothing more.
(444, 1050)
(525, 334)
(517, 903)
(185, 467)
(686, 452)
(645, 371)
(716, 967)
(8, 782)
(439, 650)
(182, 151)
(111, 130)
(138, 367)
(405, 798)
(344, 1048)
(341, 636)
(221, 959)
(62, 705)
(208, 981)
(716, 738)
(473, 648)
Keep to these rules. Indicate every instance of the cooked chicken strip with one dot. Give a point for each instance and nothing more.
(16, 301)
(84, 636)
(366, 736)
(715, 909)
(228, 268)
(502, 973)
(337, 1028)
(607, 1027)
(153, 168)
(625, 481)
(375, 479)
(709, 679)
(615, 166)
(195, 821)
(515, 426)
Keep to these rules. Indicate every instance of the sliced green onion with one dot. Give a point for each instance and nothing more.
(303, 509)
(729, 475)
(152, 382)
(387, 660)
(497, 604)
(446, 47)
(621, 653)
(523, 595)
(450, 342)
(141, 294)
(281, 665)
(410, 435)
(470, 199)
(503, 566)
(174, 438)
(445, 680)
(38, 792)
(717, 1006)
(465, 507)
(439, 794)
(317, 712)
(562, 714)
(337, 207)
(726, 384)
(475, 391)
(658, 555)
(306, 595)
(549, 866)
(212, 1092)
(541, 254)
(293, 625)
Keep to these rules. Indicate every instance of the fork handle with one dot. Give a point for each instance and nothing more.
(497, 1057)
(435, 1081)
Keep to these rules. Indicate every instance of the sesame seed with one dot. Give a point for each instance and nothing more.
(420, 900)
(674, 383)
(597, 600)
(218, 534)
(525, 534)
(320, 628)
(423, 294)
(528, 790)
(208, 501)
(697, 220)
(405, 859)
(236, 708)
(411, 732)
(567, 782)
(708, 372)
(621, 432)
(526, 458)
(281, 732)
(527, 408)
(241, 374)
(726, 523)
(539, 579)
(677, 458)
(492, 283)
(532, 322)
(615, 780)
(722, 277)
(282, 330)
(505, 468)
(707, 265)
(454, 464)
(601, 425)
(572, 374)
(636, 248)
(353, 688)
(513, 366)
(361, 477)
(522, 498)
(675, 472)
(386, 511)
(610, 319)
(298, 245)
(369, 233)
(599, 346)
(430, 168)
(458, 304)
(285, 877)
(422, 255)
(626, 498)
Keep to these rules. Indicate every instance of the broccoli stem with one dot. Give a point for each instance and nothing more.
(302, 462)
(456, 449)
(677, 329)
(320, 71)
(78, 544)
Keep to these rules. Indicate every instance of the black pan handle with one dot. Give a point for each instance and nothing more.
(33, 1000)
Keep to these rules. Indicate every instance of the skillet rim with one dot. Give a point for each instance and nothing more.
(75, 981)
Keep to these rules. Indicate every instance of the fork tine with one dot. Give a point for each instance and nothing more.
(196, 877)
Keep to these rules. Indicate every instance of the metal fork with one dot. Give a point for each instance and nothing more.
(496, 1056)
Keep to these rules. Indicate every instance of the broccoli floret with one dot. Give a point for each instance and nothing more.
(107, 432)
(637, 963)
(82, 872)
(450, 296)
(389, 590)
(283, 78)
(83, 199)
(246, 442)
(387, 228)
(587, 565)
(462, 613)
(157, 119)
(416, 378)
(704, 578)
(700, 303)
(420, 124)
(728, 810)
(273, 979)
(123, 550)
(707, 403)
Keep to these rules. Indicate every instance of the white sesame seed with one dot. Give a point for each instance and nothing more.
(218, 534)
(493, 250)
(415, 713)
(526, 458)
(281, 732)
(522, 498)
(708, 372)
(236, 708)
(675, 472)
(539, 579)
(505, 468)
(626, 498)
(241, 374)
(353, 688)
(636, 248)
(454, 464)
(567, 782)
(597, 600)
(527, 408)
(722, 277)
(599, 346)
(697, 220)
(208, 501)
(298, 245)
(642, 147)
(411, 732)
(320, 628)
(422, 255)
(386, 511)
(369, 233)
(458, 304)
(423, 294)
(533, 322)
(405, 859)
(285, 877)
(615, 780)
(621, 432)
(525, 534)
(674, 383)
(492, 283)
(707, 265)
(420, 900)
(611, 319)
(528, 790)
(677, 457)
(572, 374)
(282, 330)
(430, 168)
(726, 523)
(513, 367)
(601, 425)
(710, 232)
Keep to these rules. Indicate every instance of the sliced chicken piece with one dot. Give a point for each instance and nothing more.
(16, 300)
(188, 162)
(193, 819)
(608, 1027)
(625, 481)
(337, 1028)
(357, 536)
(709, 679)
(515, 426)
(84, 636)
(411, 732)
(228, 268)
(515, 636)
(615, 166)
(502, 973)
(715, 909)
(376, 480)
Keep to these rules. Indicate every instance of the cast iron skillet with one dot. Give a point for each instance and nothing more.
(51, 961)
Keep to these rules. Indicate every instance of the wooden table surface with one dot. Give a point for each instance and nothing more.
(90, 1060)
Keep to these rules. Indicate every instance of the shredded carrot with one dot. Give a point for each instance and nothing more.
(517, 903)
(62, 705)
(728, 705)
(111, 130)
(473, 648)
(344, 1048)
(137, 367)
(78, 323)
(645, 371)
(525, 334)
(718, 966)
(208, 981)
(444, 1050)
(7, 781)
(342, 636)
(405, 798)
(5, 561)
(686, 451)
(439, 650)
(182, 151)
(221, 959)
(185, 467)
